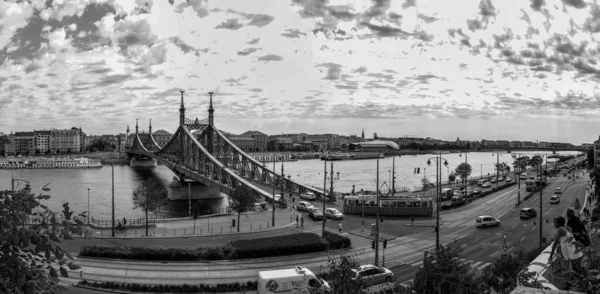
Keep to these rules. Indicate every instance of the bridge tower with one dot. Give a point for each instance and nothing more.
(136, 126)
(150, 128)
(211, 122)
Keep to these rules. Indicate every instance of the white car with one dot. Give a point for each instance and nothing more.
(303, 205)
(486, 185)
(372, 275)
(486, 221)
(333, 213)
(508, 179)
(554, 199)
(308, 196)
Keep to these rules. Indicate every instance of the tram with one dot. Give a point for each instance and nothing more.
(390, 206)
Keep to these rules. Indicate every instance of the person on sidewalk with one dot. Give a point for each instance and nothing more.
(302, 220)
(340, 227)
(297, 218)
(569, 251)
(124, 221)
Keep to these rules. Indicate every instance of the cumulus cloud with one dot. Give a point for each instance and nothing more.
(230, 24)
(270, 57)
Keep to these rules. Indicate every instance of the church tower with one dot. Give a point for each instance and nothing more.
(211, 111)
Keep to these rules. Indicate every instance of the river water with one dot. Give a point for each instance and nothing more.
(71, 185)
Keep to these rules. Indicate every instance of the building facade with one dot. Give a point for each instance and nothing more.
(24, 143)
(261, 140)
(162, 137)
(42, 141)
(65, 141)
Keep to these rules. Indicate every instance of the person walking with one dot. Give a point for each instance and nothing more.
(297, 217)
(340, 227)
(124, 221)
(302, 221)
(569, 251)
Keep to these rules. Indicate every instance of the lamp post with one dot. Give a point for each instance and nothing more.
(438, 166)
(324, 193)
(273, 200)
(88, 210)
(497, 165)
(282, 178)
(377, 220)
(331, 180)
(481, 170)
(539, 171)
(189, 199)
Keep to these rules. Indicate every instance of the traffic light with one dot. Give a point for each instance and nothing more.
(373, 244)
(415, 172)
(418, 170)
(384, 243)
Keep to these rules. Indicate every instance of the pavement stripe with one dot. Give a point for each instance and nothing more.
(483, 266)
(417, 263)
(475, 264)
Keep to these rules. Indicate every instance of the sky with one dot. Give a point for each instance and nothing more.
(469, 69)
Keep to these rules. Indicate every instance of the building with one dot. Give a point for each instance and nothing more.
(597, 152)
(24, 143)
(9, 146)
(42, 141)
(162, 137)
(379, 146)
(65, 141)
(246, 143)
(319, 142)
(261, 140)
(280, 144)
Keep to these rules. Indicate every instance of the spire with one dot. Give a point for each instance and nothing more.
(150, 128)
(211, 111)
(127, 129)
(136, 126)
(181, 110)
(363, 133)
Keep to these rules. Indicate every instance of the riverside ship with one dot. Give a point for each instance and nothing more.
(351, 156)
(48, 163)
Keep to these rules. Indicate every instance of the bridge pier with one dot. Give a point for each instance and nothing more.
(142, 162)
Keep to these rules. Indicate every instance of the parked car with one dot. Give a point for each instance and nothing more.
(333, 213)
(308, 196)
(476, 191)
(557, 191)
(486, 185)
(486, 221)
(372, 275)
(508, 179)
(480, 182)
(500, 178)
(527, 213)
(315, 213)
(554, 199)
(493, 180)
(303, 205)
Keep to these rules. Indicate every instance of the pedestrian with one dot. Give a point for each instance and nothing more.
(570, 252)
(124, 221)
(577, 228)
(340, 227)
(293, 199)
(302, 220)
(412, 221)
(296, 220)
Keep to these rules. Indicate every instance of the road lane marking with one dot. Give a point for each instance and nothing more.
(513, 226)
(523, 238)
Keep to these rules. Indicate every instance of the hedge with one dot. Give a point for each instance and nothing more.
(185, 288)
(337, 241)
(299, 243)
(483, 193)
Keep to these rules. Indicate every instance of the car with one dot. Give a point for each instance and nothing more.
(333, 213)
(500, 179)
(557, 191)
(308, 196)
(554, 199)
(372, 275)
(480, 182)
(486, 221)
(508, 179)
(303, 205)
(315, 213)
(476, 191)
(523, 177)
(527, 213)
(486, 185)
(493, 180)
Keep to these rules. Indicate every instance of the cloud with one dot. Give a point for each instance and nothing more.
(293, 33)
(487, 8)
(247, 51)
(270, 57)
(230, 24)
(575, 3)
(260, 20)
(384, 30)
(253, 41)
(333, 70)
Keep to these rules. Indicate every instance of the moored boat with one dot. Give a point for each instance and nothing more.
(48, 163)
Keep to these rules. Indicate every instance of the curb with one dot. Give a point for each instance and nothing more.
(127, 292)
(371, 238)
(192, 236)
(423, 226)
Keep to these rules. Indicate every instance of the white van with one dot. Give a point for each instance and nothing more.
(295, 280)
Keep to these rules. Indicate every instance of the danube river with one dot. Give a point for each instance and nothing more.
(71, 185)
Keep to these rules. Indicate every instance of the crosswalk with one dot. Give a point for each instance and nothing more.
(315, 229)
(476, 265)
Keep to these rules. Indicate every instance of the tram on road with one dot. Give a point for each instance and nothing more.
(390, 206)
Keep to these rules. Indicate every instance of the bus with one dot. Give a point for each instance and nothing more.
(530, 185)
(390, 206)
(535, 184)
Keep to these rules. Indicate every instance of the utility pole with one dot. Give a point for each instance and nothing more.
(324, 194)
(331, 181)
(394, 175)
(541, 211)
(88, 210)
(438, 166)
(377, 220)
(282, 180)
(273, 202)
(112, 165)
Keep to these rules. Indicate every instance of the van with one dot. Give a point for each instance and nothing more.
(447, 194)
(527, 213)
(295, 280)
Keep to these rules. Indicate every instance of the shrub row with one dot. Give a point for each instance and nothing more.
(277, 246)
(185, 288)
(483, 193)
(299, 243)
(336, 241)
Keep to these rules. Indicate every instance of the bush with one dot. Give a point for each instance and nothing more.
(277, 246)
(219, 288)
(336, 241)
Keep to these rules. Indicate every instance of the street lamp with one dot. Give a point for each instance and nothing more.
(497, 165)
(189, 199)
(438, 166)
(331, 179)
(88, 210)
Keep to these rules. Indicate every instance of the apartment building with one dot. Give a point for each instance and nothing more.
(261, 140)
(24, 143)
(65, 141)
(162, 137)
(42, 141)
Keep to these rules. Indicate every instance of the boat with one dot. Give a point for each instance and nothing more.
(335, 156)
(367, 155)
(48, 162)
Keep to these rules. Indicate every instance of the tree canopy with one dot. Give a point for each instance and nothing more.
(241, 201)
(463, 170)
(30, 260)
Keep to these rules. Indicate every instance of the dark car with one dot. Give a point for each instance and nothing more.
(527, 213)
(476, 191)
(315, 213)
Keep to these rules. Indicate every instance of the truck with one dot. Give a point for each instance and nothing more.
(295, 280)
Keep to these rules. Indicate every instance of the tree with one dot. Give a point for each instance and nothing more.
(425, 182)
(66, 211)
(340, 276)
(30, 260)
(149, 196)
(463, 170)
(452, 177)
(445, 273)
(241, 201)
(590, 158)
(195, 214)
